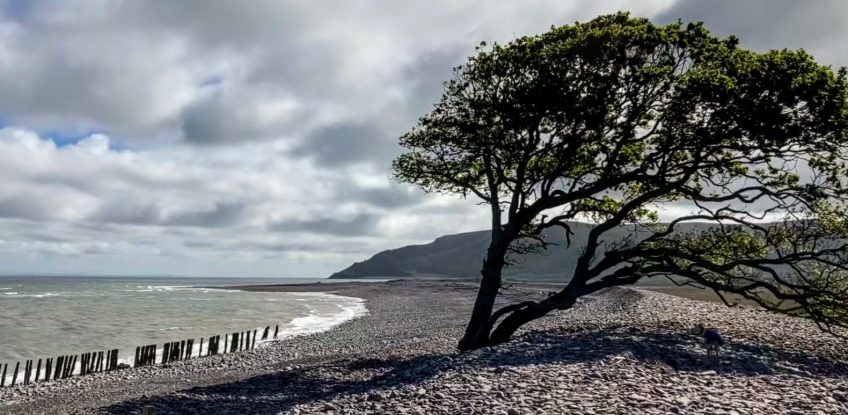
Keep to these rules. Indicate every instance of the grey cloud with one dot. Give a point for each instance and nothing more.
(392, 197)
(359, 225)
(220, 215)
(301, 121)
(43, 237)
(222, 119)
(128, 214)
(820, 27)
(346, 142)
(211, 122)
(23, 206)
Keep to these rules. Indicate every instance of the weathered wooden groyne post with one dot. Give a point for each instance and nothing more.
(64, 366)
(15, 376)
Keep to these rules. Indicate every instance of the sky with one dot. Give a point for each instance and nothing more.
(255, 138)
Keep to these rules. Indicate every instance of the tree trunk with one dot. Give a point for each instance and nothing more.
(514, 320)
(477, 331)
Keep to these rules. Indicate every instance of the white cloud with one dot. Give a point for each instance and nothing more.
(93, 203)
(246, 138)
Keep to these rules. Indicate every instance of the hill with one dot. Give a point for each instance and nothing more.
(461, 255)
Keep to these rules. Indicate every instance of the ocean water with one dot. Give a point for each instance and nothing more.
(44, 317)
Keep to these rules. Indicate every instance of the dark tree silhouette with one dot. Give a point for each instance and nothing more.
(611, 119)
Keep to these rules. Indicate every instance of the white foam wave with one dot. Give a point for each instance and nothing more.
(348, 309)
(43, 295)
(335, 310)
(40, 295)
(175, 328)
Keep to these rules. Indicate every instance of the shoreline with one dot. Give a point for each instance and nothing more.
(284, 314)
(401, 358)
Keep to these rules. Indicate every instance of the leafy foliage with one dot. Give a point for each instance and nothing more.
(609, 119)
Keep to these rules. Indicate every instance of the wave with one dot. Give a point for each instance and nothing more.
(41, 295)
(151, 288)
(175, 328)
(315, 322)
(320, 312)
(169, 288)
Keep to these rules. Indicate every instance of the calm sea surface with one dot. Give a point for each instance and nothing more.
(48, 316)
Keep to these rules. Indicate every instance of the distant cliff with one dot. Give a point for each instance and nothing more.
(461, 256)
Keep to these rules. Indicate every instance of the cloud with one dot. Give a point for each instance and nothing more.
(194, 205)
(821, 27)
(346, 142)
(359, 225)
(256, 139)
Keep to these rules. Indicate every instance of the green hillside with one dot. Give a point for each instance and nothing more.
(461, 255)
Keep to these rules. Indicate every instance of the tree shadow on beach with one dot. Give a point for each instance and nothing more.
(276, 392)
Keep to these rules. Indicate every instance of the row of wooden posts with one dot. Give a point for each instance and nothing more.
(106, 361)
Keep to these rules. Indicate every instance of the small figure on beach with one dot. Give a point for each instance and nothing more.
(712, 340)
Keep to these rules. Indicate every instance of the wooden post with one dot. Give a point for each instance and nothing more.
(200, 349)
(37, 370)
(3, 379)
(66, 367)
(59, 361)
(71, 366)
(253, 342)
(265, 333)
(15, 376)
(276, 330)
(225, 343)
(182, 350)
(27, 371)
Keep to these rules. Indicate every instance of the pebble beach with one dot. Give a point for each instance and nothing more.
(622, 351)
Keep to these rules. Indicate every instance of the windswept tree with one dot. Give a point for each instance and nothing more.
(610, 120)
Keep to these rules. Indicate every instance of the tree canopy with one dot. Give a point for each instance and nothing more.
(611, 120)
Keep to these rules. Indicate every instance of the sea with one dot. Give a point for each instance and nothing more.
(44, 317)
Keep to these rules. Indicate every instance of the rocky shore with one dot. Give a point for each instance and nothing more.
(623, 351)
